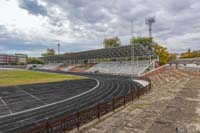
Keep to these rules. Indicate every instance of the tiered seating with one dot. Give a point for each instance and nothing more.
(122, 51)
(190, 62)
(51, 66)
(67, 68)
(167, 76)
(81, 68)
(120, 67)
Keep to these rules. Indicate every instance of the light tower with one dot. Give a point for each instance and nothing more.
(132, 50)
(58, 48)
(149, 21)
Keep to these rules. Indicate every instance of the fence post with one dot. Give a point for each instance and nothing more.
(143, 91)
(132, 96)
(24, 131)
(149, 86)
(77, 118)
(98, 111)
(146, 89)
(138, 93)
(124, 100)
(113, 103)
(47, 126)
(63, 127)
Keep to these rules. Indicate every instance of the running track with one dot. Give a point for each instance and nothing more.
(27, 105)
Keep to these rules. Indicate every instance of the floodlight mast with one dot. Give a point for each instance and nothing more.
(149, 21)
(58, 48)
(132, 49)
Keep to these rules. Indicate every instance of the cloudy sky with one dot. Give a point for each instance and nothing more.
(32, 26)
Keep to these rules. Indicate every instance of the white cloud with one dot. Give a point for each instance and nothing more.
(29, 27)
(86, 23)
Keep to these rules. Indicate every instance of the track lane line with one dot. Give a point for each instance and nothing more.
(41, 114)
(10, 129)
(41, 119)
(4, 103)
(34, 97)
(47, 105)
(20, 121)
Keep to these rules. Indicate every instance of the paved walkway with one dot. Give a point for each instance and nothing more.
(173, 106)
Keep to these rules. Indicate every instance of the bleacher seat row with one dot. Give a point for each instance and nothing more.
(118, 60)
(116, 52)
(104, 67)
(51, 66)
(190, 62)
(120, 67)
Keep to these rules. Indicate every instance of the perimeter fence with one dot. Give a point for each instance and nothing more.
(81, 117)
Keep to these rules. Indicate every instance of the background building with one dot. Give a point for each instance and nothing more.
(7, 59)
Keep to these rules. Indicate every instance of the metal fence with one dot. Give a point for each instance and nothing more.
(69, 122)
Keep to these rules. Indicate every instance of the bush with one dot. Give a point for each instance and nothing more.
(35, 61)
(21, 63)
(13, 63)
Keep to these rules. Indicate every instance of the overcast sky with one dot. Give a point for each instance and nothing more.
(32, 26)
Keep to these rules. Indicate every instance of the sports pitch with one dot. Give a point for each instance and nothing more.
(22, 77)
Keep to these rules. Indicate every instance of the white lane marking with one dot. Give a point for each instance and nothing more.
(118, 89)
(142, 82)
(24, 120)
(28, 110)
(129, 87)
(4, 103)
(34, 97)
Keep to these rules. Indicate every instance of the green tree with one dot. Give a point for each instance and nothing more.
(50, 51)
(159, 50)
(111, 42)
(33, 60)
(163, 54)
(141, 40)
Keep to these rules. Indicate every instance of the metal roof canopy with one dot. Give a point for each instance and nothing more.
(122, 51)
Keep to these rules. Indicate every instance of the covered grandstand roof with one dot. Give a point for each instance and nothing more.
(122, 51)
(186, 61)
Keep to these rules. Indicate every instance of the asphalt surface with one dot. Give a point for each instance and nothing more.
(27, 105)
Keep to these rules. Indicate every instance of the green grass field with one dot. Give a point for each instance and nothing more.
(20, 77)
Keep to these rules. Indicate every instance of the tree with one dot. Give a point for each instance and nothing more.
(20, 63)
(50, 51)
(196, 53)
(163, 54)
(172, 57)
(111, 42)
(190, 54)
(13, 63)
(141, 40)
(33, 60)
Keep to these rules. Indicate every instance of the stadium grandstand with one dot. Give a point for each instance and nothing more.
(66, 93)
(189, 62)
(51, 66)
(117, 60)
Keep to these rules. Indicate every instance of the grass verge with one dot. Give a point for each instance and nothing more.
(21, 77)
